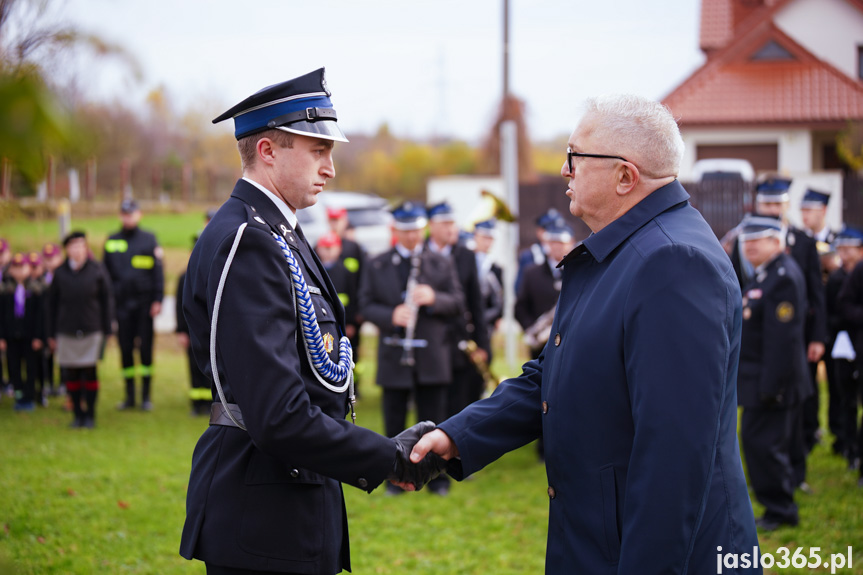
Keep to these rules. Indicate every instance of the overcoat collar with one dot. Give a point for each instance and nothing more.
(602, 243)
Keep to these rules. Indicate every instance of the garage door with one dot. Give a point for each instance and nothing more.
(763, 157)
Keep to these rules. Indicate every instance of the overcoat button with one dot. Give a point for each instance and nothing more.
(325, 311)
(295, 473)
(545, 407)
(362, 482)
(552, 493)
(556, 339)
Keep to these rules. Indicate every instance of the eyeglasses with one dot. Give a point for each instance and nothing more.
(570, 154)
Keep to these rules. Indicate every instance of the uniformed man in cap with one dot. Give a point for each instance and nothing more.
(813, 211)
(772, 199)
(470, 327)
(773, 377)
(133, 259)
(540, 288)
(352, 257)
(412, 295)
(851, 309)
(490, 274)
(535, 254)
(266, 328)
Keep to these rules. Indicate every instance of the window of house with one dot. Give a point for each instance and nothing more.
(772, 51)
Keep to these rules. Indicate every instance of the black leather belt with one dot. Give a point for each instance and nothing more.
(218, 415)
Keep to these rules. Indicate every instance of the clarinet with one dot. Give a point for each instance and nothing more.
(410, 328)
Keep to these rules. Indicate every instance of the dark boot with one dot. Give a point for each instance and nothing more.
(129, 403)
(146, 405)
(74, 389)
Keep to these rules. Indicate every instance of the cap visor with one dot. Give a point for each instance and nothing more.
(324, 129)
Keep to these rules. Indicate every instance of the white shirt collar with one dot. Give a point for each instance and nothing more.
(405, 254)
(823, 234)
(280, 203)
(444, 251)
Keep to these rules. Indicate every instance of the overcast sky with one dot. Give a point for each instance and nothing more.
(427, 68)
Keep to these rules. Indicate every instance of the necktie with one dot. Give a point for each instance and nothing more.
(20, 298)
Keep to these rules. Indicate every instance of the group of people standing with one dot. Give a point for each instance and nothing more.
(435, 298)
(797, 299)
(60, 311)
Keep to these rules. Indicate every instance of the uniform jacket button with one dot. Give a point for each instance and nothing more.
(545, 407)
(551, 492)
(556, 339)
(295, 473)
(362, 482)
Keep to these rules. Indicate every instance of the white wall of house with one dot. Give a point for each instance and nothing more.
(835, 37)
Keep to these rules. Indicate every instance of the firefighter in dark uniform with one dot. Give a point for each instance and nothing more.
(535, 253)
(540, 288)
(851, 309)
(849, 248)
(772, 199)
(266, 328)
(352, 258)
(412, 295)
(340, 270)
(490, 274)
(133, 259)
(467, 381)
(773, 376)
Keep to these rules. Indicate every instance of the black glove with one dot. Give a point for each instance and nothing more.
(404, 471)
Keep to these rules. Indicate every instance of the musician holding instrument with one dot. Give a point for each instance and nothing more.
(411, 294)
(540, 288)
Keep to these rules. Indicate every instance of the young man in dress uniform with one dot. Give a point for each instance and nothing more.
(536, 253)
(467, 382)
(133, 259)
(773, 376)
(266, 328)
(412, 295)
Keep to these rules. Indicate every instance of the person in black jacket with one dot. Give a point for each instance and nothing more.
(851, 311)
(772, 379)
(467, 382)
(80, 315)
(265, 489)
(407, 286)
(133, 259)
(21, 329)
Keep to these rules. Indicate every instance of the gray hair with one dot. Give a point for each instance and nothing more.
(639, 129)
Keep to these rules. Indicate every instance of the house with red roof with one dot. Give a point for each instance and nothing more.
(781, 79)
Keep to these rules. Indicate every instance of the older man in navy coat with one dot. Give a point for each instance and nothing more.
(635, 393)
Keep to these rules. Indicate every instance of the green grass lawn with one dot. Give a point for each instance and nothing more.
(111, 500)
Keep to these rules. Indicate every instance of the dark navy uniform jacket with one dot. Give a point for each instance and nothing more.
(381, 290)
(133, 260)
(270, 498)
(773, 367)
(635, 397)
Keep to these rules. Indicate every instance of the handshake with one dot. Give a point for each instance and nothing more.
(412, 473)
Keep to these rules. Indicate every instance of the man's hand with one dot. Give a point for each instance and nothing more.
(401, 315)
(155, 308)
(423, 295)
(52, 344)
(437, 442)
(183, 339)
(408, 473)
(36, 344)
(815, 351)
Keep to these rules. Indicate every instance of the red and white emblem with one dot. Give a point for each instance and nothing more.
(328, 342)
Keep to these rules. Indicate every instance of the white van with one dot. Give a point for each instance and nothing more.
(368, 214)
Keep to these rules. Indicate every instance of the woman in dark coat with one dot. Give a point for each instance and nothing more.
(79, 319)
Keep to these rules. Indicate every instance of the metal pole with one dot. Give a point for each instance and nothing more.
(509, 174)
(505, 49)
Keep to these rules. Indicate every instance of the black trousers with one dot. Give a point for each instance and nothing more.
(466, 387)
(766, 437)
(22, 363)
(810, 411)
(834, 405)
(851, 385)
(131, 324)
(431, 404)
